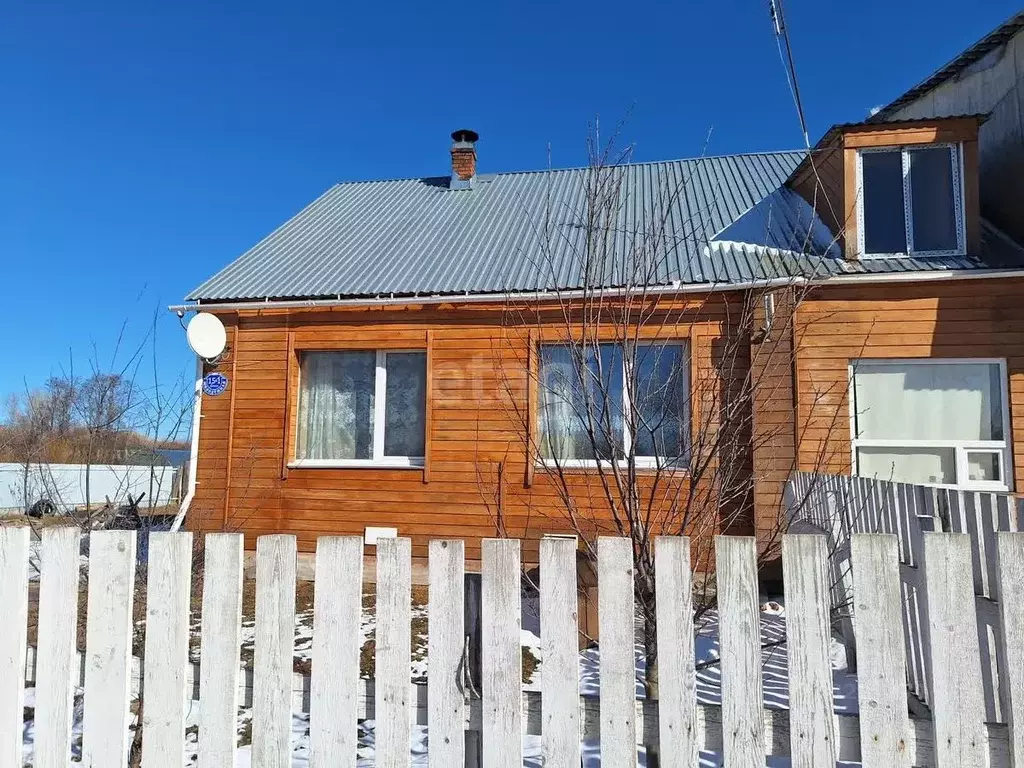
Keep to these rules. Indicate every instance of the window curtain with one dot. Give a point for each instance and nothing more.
(336, 400)
(405, 404)
(928, 401)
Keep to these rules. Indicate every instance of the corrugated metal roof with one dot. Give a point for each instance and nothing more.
(976, 52)
(709, 220)
(512, 232)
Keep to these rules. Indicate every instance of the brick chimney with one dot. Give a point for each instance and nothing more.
(463, 158)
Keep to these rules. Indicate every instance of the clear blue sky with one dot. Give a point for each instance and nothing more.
(144, 145)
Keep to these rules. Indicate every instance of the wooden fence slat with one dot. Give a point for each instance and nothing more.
(393, 641)
(616, 619)
(884, 725)
(560, 665)
(677, 720)
(274, 651)
(501, 654)
(333, 706)
(14, 542)
(108, 648)
(167, 637)
(812, 733)
(445, 642)
(958, 703)
(740, 638)
(220, 638)
(1011, 596)
(56, 641)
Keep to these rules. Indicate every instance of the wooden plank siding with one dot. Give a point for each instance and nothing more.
(950, 319)
(479, 401)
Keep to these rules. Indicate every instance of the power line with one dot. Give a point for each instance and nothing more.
(782, 40)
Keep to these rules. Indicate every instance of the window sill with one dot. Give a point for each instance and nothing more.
(394, 463)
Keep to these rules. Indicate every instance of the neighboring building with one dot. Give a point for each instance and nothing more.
(394, 349)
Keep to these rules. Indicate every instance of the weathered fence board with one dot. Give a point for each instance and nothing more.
(618, 652)
(958, 701)
(333, 706)
(740, 648)
(14, 542)
(167, 630)
(884, 726)
(501, 654)
(678, 691)
(393, 643)
(1011, 591)
(274, 651)
(220, 637)
(108, 648)
(445, 644)
(561, 662)
(807, 636)
(57, 630)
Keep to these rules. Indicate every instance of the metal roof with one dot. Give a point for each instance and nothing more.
(715, 220)
(511, 232)
(976, 52)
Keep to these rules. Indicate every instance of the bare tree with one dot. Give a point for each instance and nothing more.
(646, 393)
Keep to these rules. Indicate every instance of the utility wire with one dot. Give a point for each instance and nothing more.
(782, 40)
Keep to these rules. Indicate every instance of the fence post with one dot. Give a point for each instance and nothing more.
(560, 670)
(743, 730)
(108, 648)
(333, 723)
(958, 703)
(616, 621)
(677, 716)
(58, 619)
(445, 643)
(1010, 576)
(220, 638)
(14, 541)
(812, 733)
(884, 727)
(394, 650)
(501, 654)
(167, 634)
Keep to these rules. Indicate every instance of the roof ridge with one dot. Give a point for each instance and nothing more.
(528, 171)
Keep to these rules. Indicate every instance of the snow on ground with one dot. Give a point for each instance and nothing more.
(774, 676)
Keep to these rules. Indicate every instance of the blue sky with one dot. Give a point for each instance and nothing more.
(144, 146)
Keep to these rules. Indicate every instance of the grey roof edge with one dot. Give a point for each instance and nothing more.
(951, 69)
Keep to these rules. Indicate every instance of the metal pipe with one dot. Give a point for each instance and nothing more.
(193, 456)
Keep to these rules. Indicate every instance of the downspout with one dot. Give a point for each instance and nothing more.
(193, 459)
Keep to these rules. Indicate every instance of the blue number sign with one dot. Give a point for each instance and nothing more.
(215, 383)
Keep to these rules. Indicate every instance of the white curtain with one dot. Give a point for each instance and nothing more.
(336, 405)
(405, 404)
(928, 401)
(562, 435)
(908, 465)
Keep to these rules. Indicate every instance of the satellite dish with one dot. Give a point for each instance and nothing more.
(206, 335)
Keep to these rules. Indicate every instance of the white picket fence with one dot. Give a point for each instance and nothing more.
(741, 730)
(840, 506)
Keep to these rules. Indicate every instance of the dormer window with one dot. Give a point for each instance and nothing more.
(910, 201)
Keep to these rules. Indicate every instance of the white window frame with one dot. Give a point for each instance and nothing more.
(956, 156)
(380, 383)
(640, 462)
(1003, 448)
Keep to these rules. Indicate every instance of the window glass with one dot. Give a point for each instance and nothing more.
(983, 466)
(336, 405)
(885, 227)
(580, 401)
(928, 401)
(909, 465)
(405, 403)
(932, 199)
(660, 396)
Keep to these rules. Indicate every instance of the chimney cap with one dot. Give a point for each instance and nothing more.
(465, 134)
